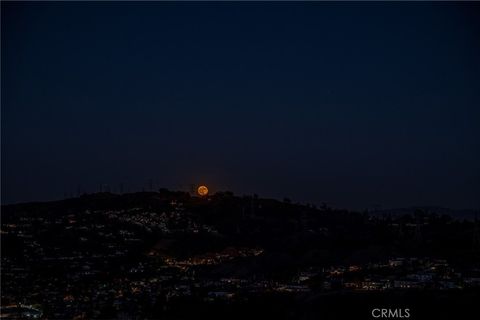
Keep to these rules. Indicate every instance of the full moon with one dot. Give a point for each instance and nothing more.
(202, 190)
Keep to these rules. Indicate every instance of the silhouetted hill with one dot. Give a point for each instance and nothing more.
(304, 233)
(167, 254)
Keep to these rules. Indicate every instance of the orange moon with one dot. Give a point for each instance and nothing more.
(202, 190)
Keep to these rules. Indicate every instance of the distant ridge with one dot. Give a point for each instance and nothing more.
(461, 214)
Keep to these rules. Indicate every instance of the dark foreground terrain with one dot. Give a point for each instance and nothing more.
(169, 255)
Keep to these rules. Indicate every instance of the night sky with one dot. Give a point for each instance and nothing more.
(353, 104)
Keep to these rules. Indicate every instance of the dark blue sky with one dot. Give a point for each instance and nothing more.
(354, 104)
